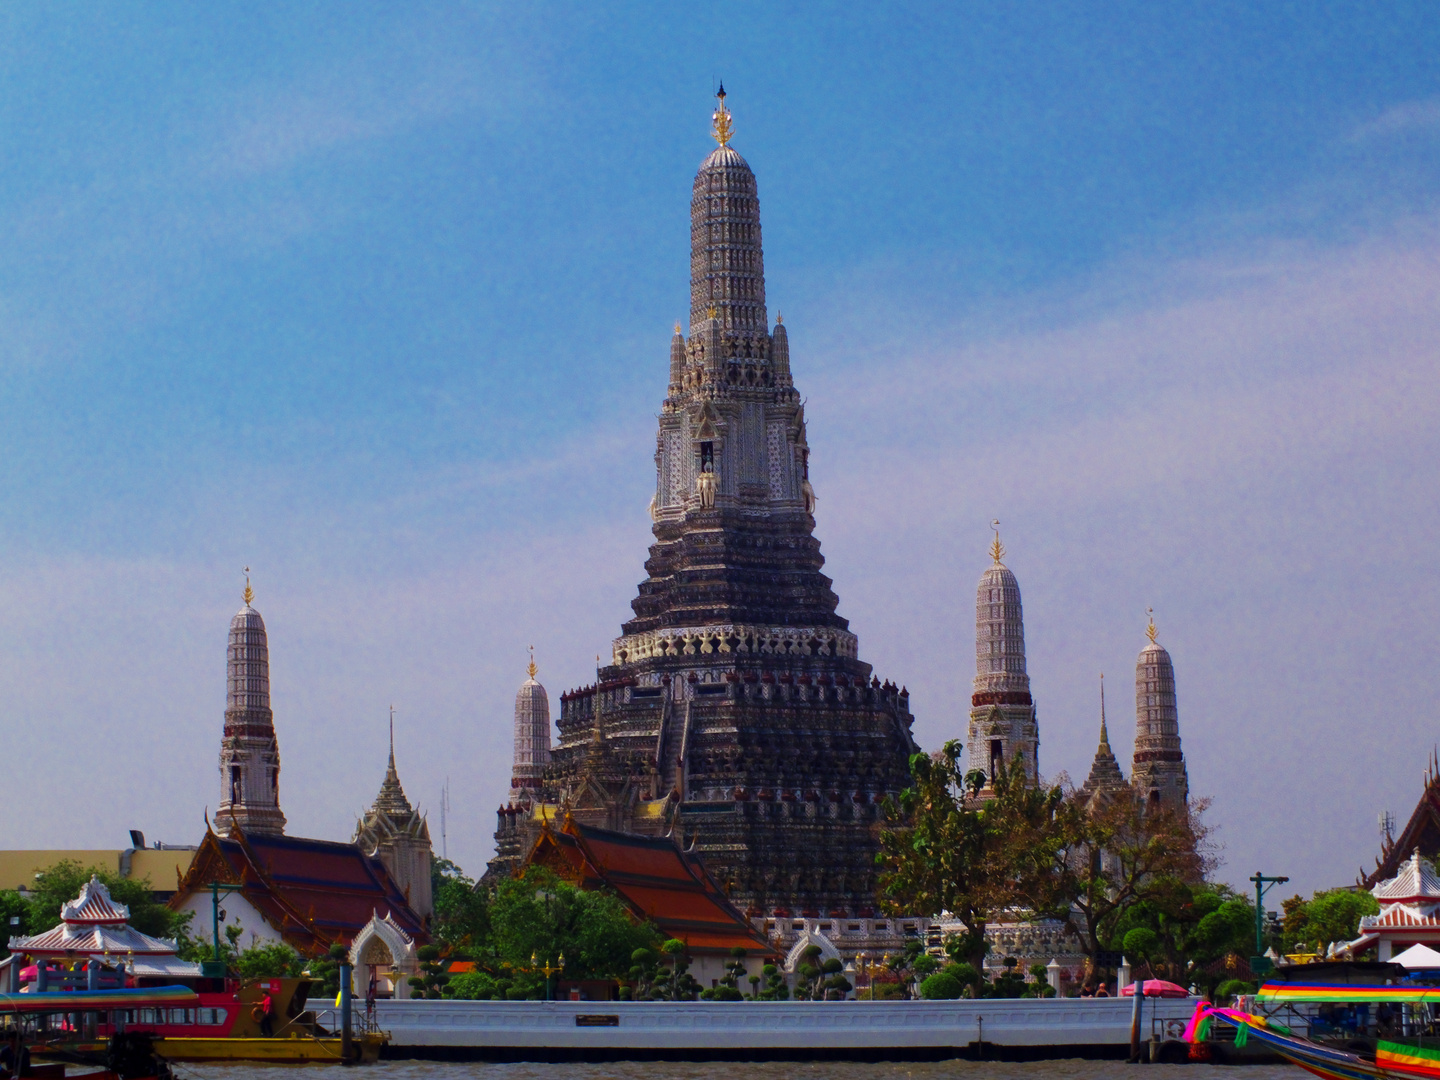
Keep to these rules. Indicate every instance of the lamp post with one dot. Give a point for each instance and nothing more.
(548, 969)
(1259, 963)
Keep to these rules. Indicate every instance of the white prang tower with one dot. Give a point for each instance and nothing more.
(1158, 771)
(249, 754)
(532, 738)
(1002, 714)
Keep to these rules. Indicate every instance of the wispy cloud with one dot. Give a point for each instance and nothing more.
(1412, 117)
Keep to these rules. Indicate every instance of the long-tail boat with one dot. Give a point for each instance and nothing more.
(1342, 1041)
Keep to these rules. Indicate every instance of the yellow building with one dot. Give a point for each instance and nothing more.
(163, 866)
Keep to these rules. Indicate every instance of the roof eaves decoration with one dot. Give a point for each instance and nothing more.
(93, 906)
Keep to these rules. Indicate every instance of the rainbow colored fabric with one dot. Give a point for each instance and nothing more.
(1323, 992)
(84, 1000)
(1410, 1060)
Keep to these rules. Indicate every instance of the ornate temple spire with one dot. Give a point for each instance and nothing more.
(1002, 714)
(249, 752)
(727, 264)
(721, 127)
(1159, 770)
(532, 734)
(1105, 775)
(399, 836)
(392, 796)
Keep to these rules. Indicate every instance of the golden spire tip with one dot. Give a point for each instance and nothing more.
(249, 592)
(1150, 630)
(531, 669)
(722, 128)
(997, 549)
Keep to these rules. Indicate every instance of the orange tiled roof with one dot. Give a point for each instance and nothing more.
(655, 879)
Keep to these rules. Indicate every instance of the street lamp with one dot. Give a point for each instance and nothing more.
(549, 969)
(1260, 964)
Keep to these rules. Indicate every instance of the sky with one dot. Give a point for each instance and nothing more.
(377, 300)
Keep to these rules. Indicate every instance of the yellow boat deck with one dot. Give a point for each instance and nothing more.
(297, 1049)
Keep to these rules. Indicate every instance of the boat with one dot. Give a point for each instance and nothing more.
(64, 1028)
(1342, 1041)
(185, 1025)
(188, 1011)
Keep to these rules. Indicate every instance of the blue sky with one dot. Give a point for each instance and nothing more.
(377, 302)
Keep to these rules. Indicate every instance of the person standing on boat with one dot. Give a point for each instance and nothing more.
(14, 1057)
(267, 1026)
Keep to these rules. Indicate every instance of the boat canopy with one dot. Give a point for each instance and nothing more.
(85, 1000)
(1272, 993)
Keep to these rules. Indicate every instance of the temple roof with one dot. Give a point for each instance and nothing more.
(656, 879)
(1416, 883)
(94, 924)
(313, 892)
(94, 905)
(1421, 833)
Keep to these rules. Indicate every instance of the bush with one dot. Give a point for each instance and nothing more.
(272, 961)
(942, 986)
(476, 986)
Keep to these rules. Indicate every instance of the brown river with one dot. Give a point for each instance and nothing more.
(770, 1070)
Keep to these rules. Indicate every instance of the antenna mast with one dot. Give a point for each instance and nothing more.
(444, 809)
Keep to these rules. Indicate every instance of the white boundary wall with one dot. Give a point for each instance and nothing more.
(796, 1025)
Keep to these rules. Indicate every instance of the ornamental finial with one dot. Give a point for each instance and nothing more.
(722, 129)
(997, 549)
(1150, 630)
(677, 326)
(249, 592)
(531, 669)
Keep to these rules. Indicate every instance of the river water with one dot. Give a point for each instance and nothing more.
(1071, 1069)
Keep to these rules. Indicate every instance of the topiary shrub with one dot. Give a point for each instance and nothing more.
(942, 986)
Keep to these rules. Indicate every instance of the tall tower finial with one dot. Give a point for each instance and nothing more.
(1104, 732)
(1150, 630)
(392, 738)
(531, 669)
(997, 549)
(722, 128)
(249, 592)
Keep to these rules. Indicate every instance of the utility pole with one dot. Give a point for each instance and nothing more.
(1259, 963)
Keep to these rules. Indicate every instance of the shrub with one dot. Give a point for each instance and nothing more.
(942, 986)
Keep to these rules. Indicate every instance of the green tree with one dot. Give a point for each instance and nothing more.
(943, 850)
(272, 960)
(431, 981)
(1332, 915)
(1194, 925)
(728, 988)
(325, 971)
(679, 985)
(538, 915)
(775, 988)
(462, 912)
(941, 986)
(13, 905)
(1120, 852)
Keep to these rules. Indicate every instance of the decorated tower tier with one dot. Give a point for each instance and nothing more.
(734, 709)
(1158, 772)
(1003, 726)
(249, 753)
(532, 738)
